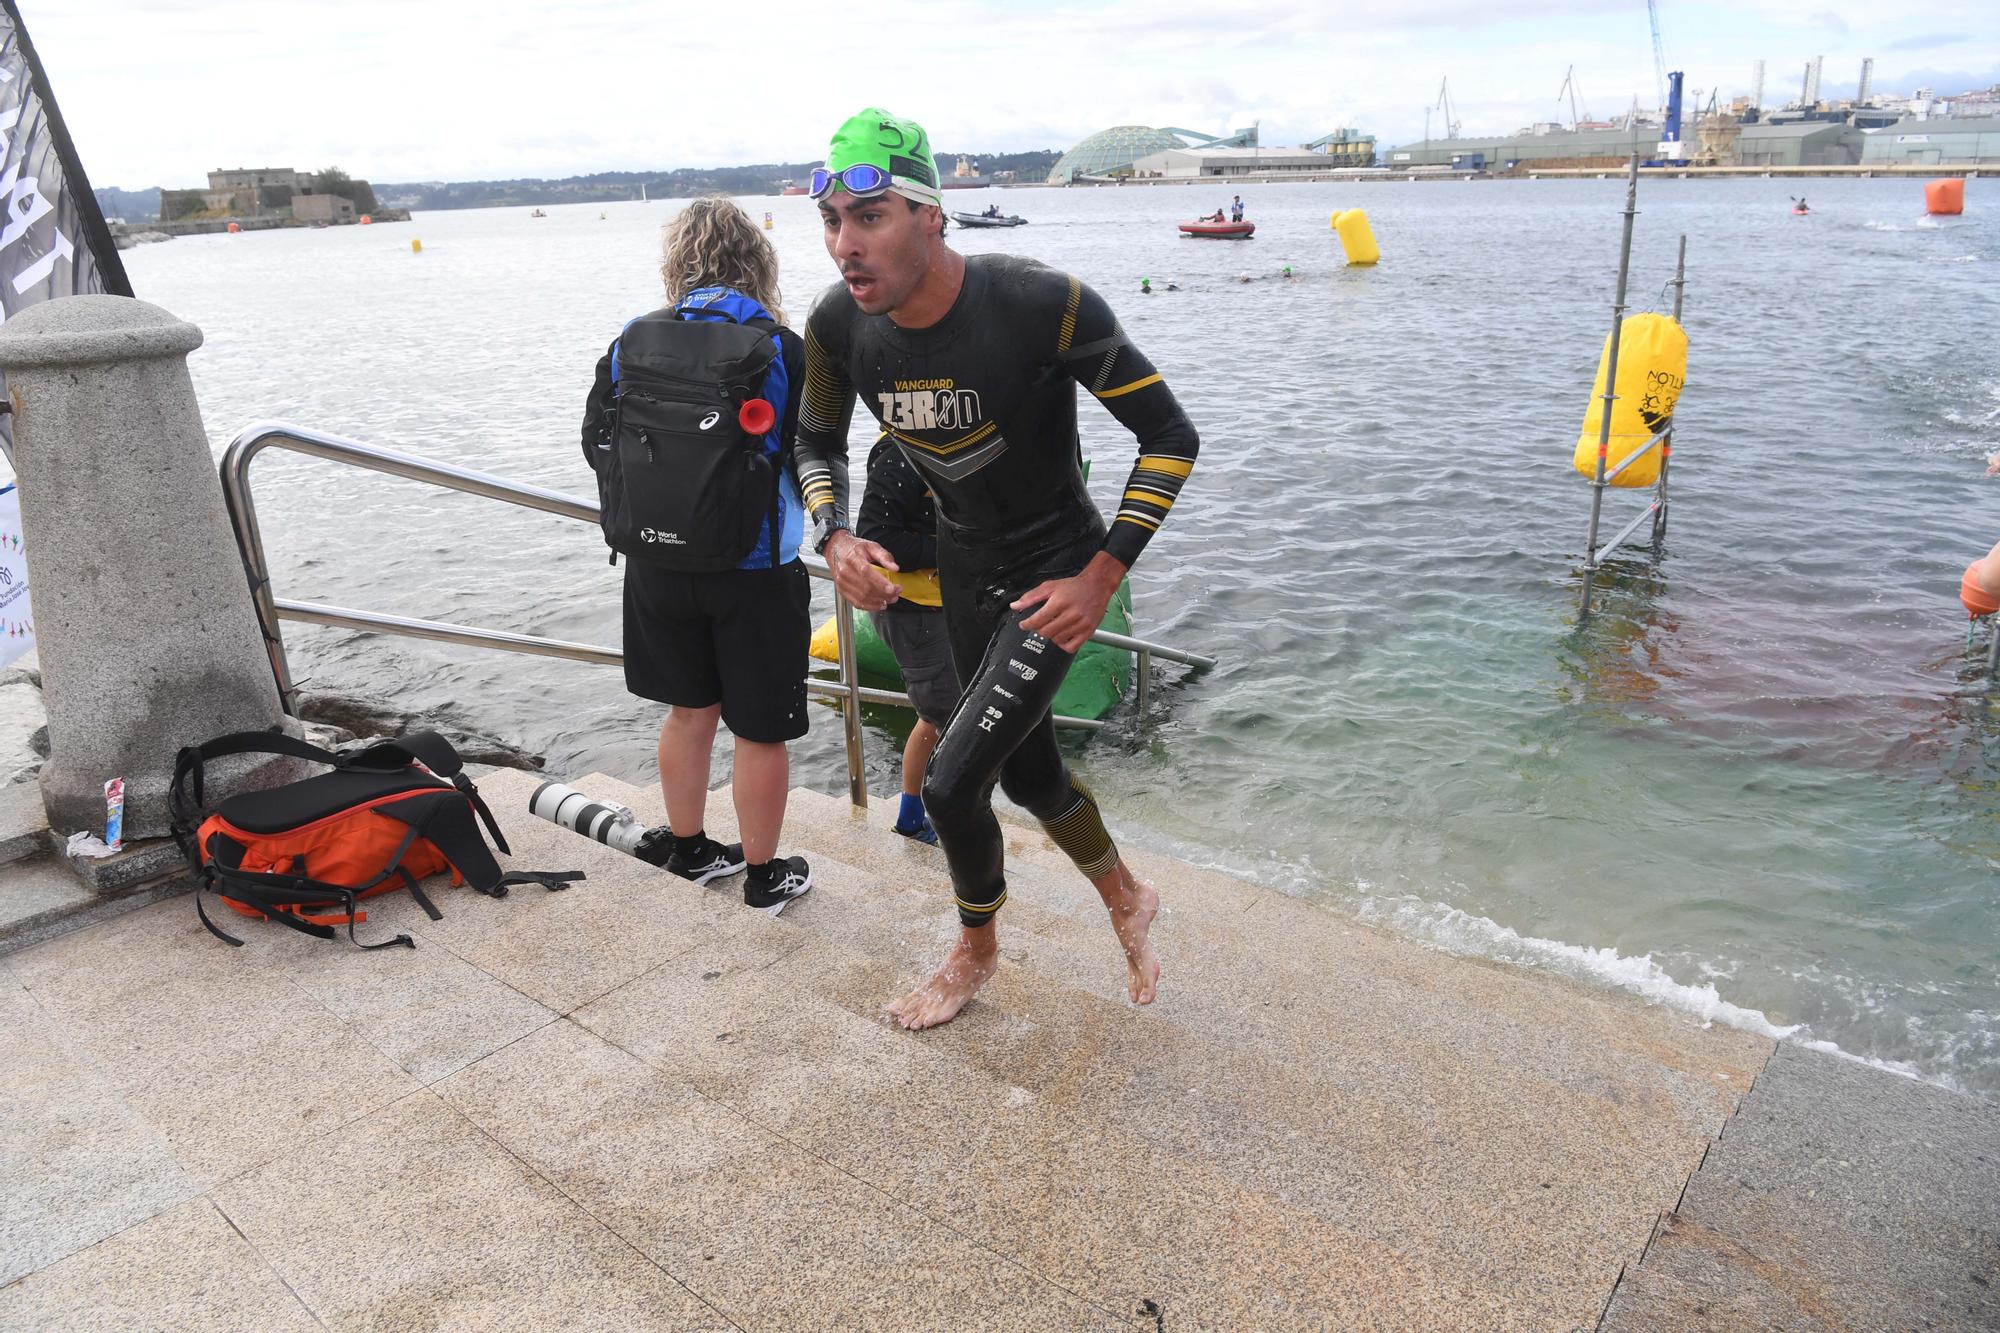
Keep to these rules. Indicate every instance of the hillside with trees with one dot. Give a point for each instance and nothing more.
(684, 182)
(130, 205)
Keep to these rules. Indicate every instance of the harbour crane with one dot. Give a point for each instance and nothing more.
(1569, 87)
(1659, 51)
(1444, 105)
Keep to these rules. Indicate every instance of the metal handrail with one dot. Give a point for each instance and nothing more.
(259, 436)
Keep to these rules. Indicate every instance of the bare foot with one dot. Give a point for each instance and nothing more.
(1133, 904)
(973, 960)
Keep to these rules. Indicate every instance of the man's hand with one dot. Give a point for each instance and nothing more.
(852, 562)
(1071, 608)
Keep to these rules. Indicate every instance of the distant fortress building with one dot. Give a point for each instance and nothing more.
(264, 192)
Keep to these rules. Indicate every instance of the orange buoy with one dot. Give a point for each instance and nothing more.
(234, 228)
(1980, 588)
(1971, 591)
(366, 220)
(1944, 198)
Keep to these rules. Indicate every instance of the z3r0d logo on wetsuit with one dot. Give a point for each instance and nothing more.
(929, 405)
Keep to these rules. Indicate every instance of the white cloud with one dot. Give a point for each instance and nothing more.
(162, 92)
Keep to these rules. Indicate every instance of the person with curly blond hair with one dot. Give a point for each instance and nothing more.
(723, 645)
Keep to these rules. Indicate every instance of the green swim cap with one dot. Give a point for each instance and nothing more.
(893, 144)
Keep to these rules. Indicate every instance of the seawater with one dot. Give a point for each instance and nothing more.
(1759, 784)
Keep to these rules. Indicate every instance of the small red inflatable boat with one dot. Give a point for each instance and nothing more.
(1227, 231)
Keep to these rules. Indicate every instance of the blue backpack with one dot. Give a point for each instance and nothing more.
(689, 474)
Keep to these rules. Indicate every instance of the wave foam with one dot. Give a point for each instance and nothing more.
(1455, 931)
(1459, 932)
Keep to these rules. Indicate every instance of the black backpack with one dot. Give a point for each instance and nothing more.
(306, 853)
(685, 479)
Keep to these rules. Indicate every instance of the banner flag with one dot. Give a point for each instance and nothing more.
(53, 238)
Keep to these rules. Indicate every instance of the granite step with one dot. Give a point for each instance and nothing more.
(1318, 1120)
(784, 1026)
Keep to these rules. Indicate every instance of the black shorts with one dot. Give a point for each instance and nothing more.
(915, 634)
(738, 637)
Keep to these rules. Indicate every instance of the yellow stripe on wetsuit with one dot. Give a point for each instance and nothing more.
(1152, 489)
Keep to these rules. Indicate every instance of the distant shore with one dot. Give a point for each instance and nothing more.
(1401, 174)
(269, 222)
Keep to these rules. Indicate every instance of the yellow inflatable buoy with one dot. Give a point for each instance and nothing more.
(1357, 238)
(1652, 368)
(825, 643)
(416, 246)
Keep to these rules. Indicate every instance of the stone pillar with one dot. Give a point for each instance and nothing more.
(147, 635)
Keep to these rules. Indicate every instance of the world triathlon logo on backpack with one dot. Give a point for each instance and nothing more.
(930, 405)
(655, 537)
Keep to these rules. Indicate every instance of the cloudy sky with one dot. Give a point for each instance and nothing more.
(157, 92)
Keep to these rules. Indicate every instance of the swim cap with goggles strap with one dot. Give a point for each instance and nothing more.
(874, 153)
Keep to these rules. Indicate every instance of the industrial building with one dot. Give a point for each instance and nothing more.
(1503, 152)
(1808, 143)
(1112, 152)
(1211, 163)
(1966, 141)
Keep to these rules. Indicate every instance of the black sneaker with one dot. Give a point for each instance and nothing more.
(710, 859)
(793, 878)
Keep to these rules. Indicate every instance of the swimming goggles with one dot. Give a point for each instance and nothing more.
(862, 179)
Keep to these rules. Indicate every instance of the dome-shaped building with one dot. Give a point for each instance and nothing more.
(1109, 151)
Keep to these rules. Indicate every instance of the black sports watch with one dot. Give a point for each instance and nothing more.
(823, 530)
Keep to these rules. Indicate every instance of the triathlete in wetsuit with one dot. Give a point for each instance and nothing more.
(971, 366)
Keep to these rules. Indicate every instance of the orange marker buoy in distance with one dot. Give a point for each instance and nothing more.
(366, 220)
(1944, 199)
(234, 228)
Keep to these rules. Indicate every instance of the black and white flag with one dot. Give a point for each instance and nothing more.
(53, 239)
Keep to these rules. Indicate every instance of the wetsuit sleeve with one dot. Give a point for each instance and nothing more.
(597, 411)
(896, 511)
(1095, 352)
(824, 411)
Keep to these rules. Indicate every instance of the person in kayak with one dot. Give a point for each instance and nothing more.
(971, 365)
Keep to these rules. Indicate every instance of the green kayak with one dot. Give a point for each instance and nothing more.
(1095, 684)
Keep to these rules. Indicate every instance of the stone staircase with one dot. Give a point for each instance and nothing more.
(637, 1102)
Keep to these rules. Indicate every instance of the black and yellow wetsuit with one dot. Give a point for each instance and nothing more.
(983, 404)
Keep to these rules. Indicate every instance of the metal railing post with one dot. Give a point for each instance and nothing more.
(249, 540)
(1145, 666)
(1610, 387)
(850, 703)
(272, 610)
(1667, 445)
